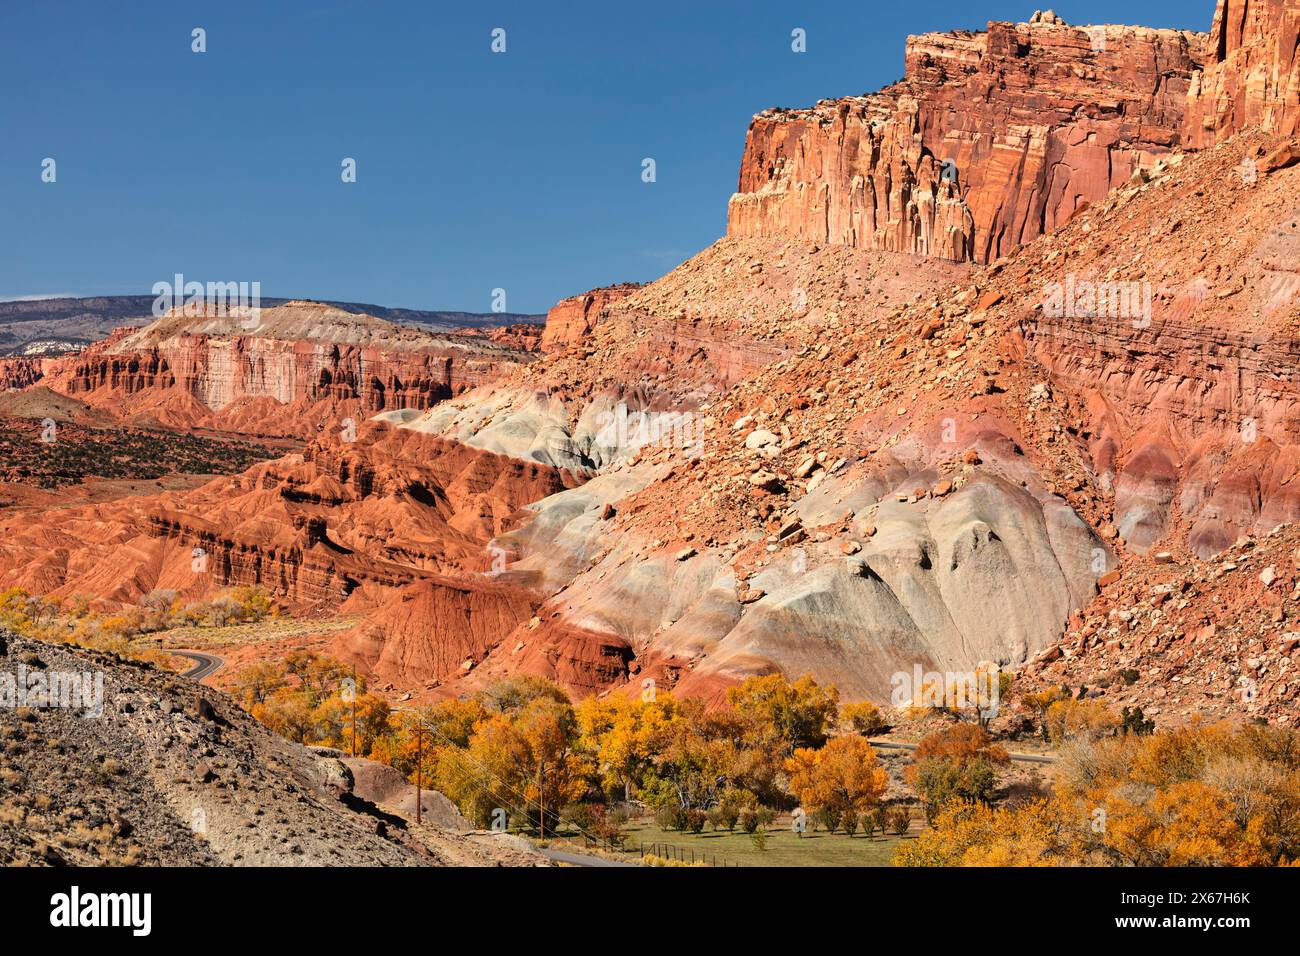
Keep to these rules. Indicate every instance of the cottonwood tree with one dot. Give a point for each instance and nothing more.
(844, 778)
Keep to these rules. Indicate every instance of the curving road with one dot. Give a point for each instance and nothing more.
(581, 859)
(1019, 758)
(204, 664)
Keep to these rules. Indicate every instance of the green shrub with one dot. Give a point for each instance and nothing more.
(671, 817)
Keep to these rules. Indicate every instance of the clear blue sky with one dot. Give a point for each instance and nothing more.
(475, 171)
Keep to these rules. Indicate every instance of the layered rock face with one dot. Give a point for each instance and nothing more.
(393, 527)
(299, 366)
(1188, 405)
(1216, 437)
(960, 477)
(990, 572)
(220, 371)
(991, 140)
(661, 353)
(858, 461)
(571, 319)
(1251, 75)
(17, 373)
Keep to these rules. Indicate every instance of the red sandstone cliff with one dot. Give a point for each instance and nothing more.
(1038, 120)
(396, 524)
(1252, 73)
(273, 377)
(19, 372)
(571, 319)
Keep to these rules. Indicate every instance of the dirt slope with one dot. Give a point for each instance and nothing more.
(174, 774)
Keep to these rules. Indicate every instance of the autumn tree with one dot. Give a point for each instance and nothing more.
(1197, 795)
(699, 757)
(958, 763)
(1079, 719)
(786, 714)
(967, 833)
(624, 737)
(257, 682)
(962, 743)
(863, 717)
(1188, 824)
(512, 694)
(335, 716)
(844, 777)
(317, 675)
(518, 760)
(290, 714)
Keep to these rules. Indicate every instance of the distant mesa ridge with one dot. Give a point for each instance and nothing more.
(141, 307)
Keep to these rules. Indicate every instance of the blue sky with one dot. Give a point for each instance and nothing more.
(475, 170)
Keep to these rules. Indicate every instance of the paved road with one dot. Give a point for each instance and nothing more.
(580, 859)
(204, 664)
(1020, 758)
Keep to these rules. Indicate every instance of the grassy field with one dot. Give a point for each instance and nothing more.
(784, 848)
(214, 639)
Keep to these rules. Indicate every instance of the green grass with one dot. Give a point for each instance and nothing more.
(784, 848)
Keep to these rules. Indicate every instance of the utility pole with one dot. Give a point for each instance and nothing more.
(541, 808)
(419, 753)
(354, 710)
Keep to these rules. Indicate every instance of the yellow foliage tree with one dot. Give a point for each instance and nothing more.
(863, 717)
(844, 776)
(517, 762)
(1188, 824)
(624, 736)
(784, 713)
(1079, 719)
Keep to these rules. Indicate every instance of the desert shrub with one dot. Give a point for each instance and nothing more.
(1135, 722)
(671, 817)
(877, 819)
(828, 817)
(596, 822)
(581, 816)
(899, 819)
(731, 803)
